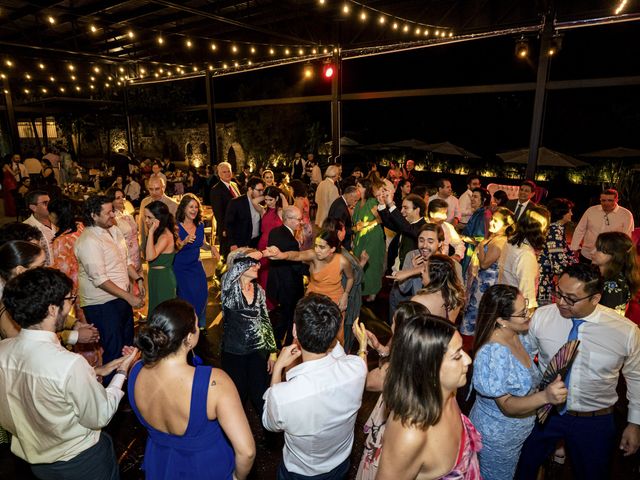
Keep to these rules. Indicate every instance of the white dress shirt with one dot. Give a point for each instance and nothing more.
(594, 221)
(132, 190)
(519, 268)
(316, 408)
(453, 210)
(48, 233)
(609, 344)
(50, 399)
(466, 211)
(102, 255)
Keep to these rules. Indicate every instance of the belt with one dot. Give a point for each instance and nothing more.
(595, 413)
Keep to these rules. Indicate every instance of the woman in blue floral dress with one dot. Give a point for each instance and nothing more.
(483, 270)
(505, 379)
(556, 254)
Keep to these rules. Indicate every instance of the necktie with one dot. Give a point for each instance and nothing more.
(518, 211)
(573, 335)
(233, 193)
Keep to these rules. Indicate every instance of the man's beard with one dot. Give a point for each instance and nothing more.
(60, 320)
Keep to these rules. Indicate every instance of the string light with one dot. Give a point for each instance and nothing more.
(51, 20)
(106, 85)
(346, 9)
(78, 88)
(286, 51)
(8, 63)
(382, 20)
(363, 15)
(131, 34)
(27, 76)
(395, 25)
(96, 69)
(71, 67)
(271, 51)
(26, 90)
(214, 47)
(321, 2)
(160, 40)
(620, 8)
(73, 77)
(41, 66)
(44, 90)
(253, 50)
(62, 89)
(93, 28)
(189, 44)
(52, 79)
(234, 49)
(92, 78)
(142, 71)
(211, 68)
(121, 69)
(301, 52)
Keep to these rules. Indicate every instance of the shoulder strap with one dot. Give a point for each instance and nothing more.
(199, 394)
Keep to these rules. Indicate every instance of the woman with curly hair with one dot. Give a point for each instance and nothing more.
(160, 251)
(616, 257)
(442, 292)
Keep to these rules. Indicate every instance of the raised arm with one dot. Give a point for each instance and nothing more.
(274, 253)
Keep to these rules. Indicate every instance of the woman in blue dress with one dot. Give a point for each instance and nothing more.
(505, 379)
(483, 270)
(187, 266)
(196, 424)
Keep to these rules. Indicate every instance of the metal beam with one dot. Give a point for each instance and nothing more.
(11, 117)
(211, 120)
(336, 105)
(229, 21)
(542, 77)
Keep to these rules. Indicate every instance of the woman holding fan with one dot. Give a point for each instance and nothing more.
(505, 379)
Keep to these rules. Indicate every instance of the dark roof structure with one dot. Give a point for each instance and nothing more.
(78, 47)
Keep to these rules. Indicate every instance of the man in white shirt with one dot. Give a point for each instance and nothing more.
(445, 193)
(525, 193)
(38, 203)
(105, 275)
(609, 345)
(50, 399)
(156, 187)
(473, 181)
(132, 190)
(606, 217)
(326, 193)
(318, 404)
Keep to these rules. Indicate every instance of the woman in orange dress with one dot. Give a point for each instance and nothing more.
(326, 268)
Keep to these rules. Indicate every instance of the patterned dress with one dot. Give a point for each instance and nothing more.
(497, 372)
(64, 259)
(555, 256)
(478, 282)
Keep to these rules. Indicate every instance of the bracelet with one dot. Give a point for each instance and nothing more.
(139, 278)
(382, 355)
(122, 372)
(360, 352)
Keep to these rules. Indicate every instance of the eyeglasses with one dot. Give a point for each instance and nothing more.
(72, 298)
(557, 296)
(44, 202)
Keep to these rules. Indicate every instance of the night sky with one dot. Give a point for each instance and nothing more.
(577, 121)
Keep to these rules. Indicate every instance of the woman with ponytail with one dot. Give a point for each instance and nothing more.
(196, 423)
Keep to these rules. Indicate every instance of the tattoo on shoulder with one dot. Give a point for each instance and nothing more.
(213, 383)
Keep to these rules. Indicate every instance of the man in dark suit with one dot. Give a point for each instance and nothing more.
(525, 194)
(341, 210)
(242, 220)
(407, 223)
(285, 284)
(221, 194)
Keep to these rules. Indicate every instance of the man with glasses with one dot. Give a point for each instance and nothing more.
(242, 219)
(285, 285)
(38, 203)
(50, 400)
(609, 345)
(606, 217)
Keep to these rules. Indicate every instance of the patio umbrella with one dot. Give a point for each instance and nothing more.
(616, 152)
(376, 147)
(411, 143)
(546, 158)
(448, 148)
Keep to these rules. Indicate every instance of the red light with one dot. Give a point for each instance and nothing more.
(328, 71)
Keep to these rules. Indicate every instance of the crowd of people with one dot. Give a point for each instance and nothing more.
(480, 288)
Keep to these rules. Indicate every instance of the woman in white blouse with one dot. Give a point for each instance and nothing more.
(519, 263)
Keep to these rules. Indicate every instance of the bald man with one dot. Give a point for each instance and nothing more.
(156, 187)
